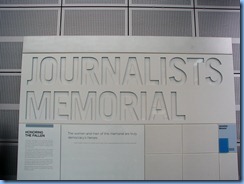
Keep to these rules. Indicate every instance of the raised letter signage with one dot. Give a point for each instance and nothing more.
(127, 108)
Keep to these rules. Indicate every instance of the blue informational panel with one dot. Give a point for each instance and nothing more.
(127, 108)
(227, 138)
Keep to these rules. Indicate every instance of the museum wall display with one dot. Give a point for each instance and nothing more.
(186, 18)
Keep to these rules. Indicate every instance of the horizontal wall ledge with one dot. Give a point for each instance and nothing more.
(127, 44)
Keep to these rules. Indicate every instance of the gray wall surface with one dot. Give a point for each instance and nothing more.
(18, 18)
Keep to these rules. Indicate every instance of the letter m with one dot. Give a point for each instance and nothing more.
(38, 108)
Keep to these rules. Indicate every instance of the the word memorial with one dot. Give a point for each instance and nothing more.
(103, 94)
